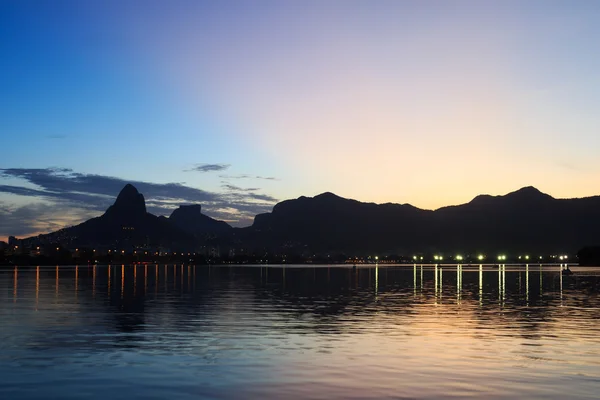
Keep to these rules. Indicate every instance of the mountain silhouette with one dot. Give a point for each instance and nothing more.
(125, 223)
(129, 205)
(526, 220)
(190, 219)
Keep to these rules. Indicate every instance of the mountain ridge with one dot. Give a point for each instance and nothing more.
(524, 219)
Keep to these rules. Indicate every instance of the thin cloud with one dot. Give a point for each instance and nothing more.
(67, 192)
(209, 167)
(246, 176)
(234, 188)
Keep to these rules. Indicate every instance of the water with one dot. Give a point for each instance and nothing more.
(185, 332)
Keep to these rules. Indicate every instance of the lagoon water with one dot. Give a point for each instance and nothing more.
(256, 332)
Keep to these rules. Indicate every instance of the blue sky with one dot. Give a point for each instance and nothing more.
(421, 102)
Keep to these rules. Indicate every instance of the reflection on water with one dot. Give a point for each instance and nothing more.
(419, 331)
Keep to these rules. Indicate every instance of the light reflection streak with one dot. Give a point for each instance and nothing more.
(527, 284)
(145, 279)
(15, 284)
(441, 281)
(76, 280)
(414, 280)
(376, 279)
(560, 273)
(94, 281)
(108, 290)
(37, 286)
(122, 281)
(499, 283)
(458, 282)
(435, 272)
(541, 283)
(503, 284)
(480, 285)
(56, 283)
(134, 279)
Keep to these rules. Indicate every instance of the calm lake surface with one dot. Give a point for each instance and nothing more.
(251, 332)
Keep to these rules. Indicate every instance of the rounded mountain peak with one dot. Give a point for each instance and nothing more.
(187, 211)
(529, 192)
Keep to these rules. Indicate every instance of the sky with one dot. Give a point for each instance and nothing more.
(237, 105)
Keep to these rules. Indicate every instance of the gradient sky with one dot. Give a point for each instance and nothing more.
(237, 105)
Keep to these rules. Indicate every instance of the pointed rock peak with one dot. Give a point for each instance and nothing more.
(130, 200)
(129, 188)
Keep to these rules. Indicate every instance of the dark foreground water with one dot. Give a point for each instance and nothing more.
(185, 332)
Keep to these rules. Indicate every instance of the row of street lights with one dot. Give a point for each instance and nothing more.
(481, 257)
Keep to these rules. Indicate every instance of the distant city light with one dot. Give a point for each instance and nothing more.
(527, 257)
(459, 257)
(480, 257)
(502, 257)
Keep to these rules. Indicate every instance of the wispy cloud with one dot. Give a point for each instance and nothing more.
(246, 176)
(208, 167)
(234, 188)
(36, 218)
(86, 195)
